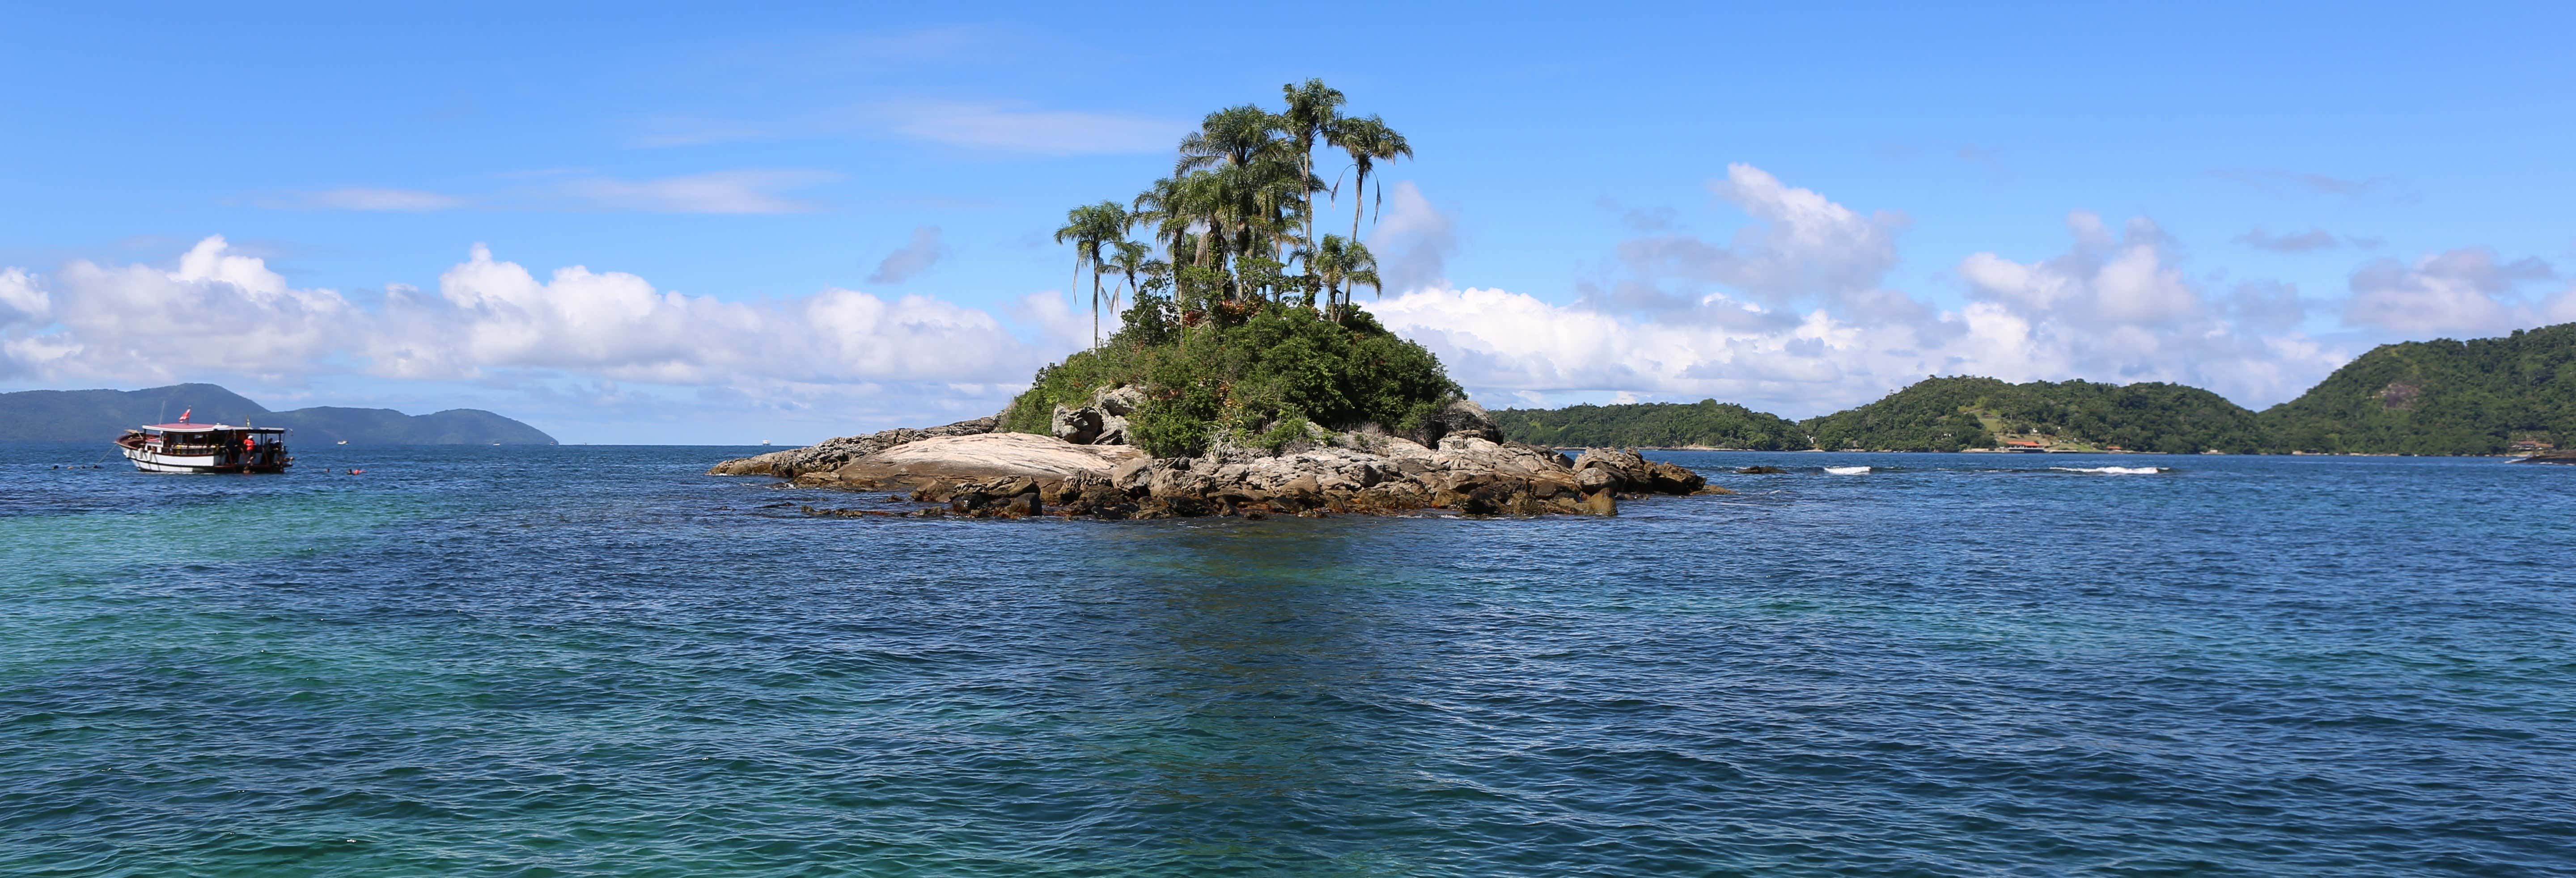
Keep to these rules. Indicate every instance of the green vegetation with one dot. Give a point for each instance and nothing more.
(1949, 414)
(1936, 414)
(1251, 376)
(1239, 328)
(2440, 397)
(1707, 424)
(2483, 396)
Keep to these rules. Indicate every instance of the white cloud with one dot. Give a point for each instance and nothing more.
(20, 297)
(362, 198)
(2464, 291)
(1412, 241)
(912, 258)
(1066, 321)
(225, 314)
(718, 192)
(1791, 316)
(218, 312)
(1801, 245)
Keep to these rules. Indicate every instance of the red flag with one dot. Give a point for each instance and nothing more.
(183, 414)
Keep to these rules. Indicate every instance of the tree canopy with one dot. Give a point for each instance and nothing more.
(2482, 396)
(2479, 396)
(1239, 328)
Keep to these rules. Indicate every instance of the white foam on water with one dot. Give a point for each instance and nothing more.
(2112, 470)
(1846, 470)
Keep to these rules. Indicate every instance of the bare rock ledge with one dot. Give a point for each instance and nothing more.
(981, 473)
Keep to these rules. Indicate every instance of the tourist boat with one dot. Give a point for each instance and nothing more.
(184, 447)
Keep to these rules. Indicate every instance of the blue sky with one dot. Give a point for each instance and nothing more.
(1797, 210)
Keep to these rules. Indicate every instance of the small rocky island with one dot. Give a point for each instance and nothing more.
(1242, 379)
(1454, 463)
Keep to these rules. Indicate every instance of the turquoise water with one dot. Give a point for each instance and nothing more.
(594, 661)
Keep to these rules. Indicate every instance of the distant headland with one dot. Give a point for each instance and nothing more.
(100, 415)
(2510, 395)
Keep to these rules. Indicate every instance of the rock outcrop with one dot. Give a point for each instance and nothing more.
(1461, 418)
(1103, 422)
(2567, 456)
(832, 454)
(1018, 474)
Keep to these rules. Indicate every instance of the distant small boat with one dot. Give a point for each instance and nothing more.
(343, 442)
(185, 447)
(764, 442)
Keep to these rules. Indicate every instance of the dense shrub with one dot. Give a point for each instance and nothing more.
(1250, 376)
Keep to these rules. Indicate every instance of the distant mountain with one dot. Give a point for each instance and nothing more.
(2481, 396)
(1707, 423)
(1949, 414)
(101, 415)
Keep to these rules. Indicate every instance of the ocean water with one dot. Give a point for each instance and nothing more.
(595, 661)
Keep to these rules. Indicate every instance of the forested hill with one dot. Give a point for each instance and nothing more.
(2440, 397)
(1949, 414)
(1937, 414)
(102, 415)
(2482, 396)
(1704, 424)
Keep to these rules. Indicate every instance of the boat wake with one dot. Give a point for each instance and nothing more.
(1846, 470)
(2113, 470)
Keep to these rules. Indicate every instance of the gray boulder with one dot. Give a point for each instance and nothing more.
(1120, 401)
(1077, 425)
(1464, 419)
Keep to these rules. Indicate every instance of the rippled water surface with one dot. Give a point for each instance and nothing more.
(579, 661)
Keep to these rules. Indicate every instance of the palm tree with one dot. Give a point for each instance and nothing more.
(1337, 261)
(1086, 228)
(1368, 141)
(1233, 137)
(1314, 109)
(1129, 259)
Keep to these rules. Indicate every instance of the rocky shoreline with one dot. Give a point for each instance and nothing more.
(1456, 464)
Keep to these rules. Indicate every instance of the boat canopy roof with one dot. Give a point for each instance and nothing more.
(208, 428)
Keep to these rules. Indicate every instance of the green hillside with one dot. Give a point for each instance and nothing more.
(1707, 423)
(1937, 414)
(1949, 414)
(2440, 397)
(102, 415)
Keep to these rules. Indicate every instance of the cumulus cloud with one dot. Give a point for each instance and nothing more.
(912, 258)
(2464, 291)
(1413, 240)
(222, 313)
(1800, 245)
(1792, 314)
(217, 312)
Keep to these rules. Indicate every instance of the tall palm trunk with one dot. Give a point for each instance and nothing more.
(1359, 186)
(1095, 302)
